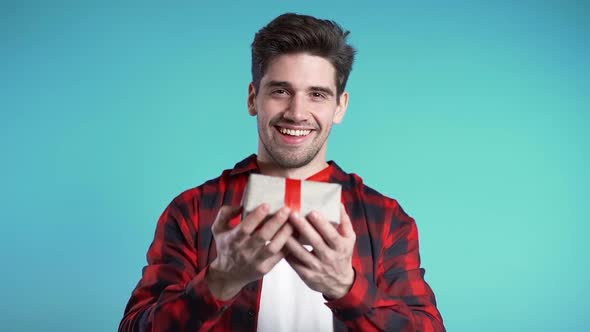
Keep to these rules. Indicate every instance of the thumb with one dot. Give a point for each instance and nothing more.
(225, 214)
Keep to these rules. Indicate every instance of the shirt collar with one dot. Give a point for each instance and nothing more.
(249, 164)
(332, 173)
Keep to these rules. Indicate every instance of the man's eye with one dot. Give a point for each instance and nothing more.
(317, 95)
(279, 92)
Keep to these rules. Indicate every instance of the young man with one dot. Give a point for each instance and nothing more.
(209, 269)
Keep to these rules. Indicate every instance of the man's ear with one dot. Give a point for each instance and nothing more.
(341, 108)
(252, 99)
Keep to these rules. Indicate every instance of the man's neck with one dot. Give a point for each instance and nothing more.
(304, 172)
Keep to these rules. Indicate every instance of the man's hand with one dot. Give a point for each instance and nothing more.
(244, 253)
(328, 267)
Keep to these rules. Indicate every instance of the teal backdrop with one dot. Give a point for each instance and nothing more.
(473, 114)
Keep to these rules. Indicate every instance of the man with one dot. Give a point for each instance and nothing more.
(209, 269)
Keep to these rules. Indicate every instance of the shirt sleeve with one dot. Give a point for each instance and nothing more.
(399, 299)
(172, 295)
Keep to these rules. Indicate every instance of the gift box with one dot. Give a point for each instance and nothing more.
(299, 195)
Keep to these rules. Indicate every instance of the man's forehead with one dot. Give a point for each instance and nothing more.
(300, 70)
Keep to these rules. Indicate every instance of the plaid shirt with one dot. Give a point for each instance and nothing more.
(388, 294)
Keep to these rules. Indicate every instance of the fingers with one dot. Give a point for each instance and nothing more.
(278, 241)
(303, 271)
(270, 262)
(301, 254)
(249, 224)
(307, 232)
(269, 255)
(270, 227)
(326, 229)
(225, 214)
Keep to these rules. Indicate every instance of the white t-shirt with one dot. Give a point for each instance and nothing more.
(288, 305)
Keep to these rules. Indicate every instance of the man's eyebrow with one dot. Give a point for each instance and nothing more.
(285, 84)
(278, 84)
(323, 89)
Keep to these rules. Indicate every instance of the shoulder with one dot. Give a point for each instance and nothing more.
(378, 203)
(352, 182)
(365, 200)
(204, 194)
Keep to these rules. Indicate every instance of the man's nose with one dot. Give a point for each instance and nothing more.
(296, 111)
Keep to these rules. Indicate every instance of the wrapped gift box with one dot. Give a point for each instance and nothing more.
(298, 195)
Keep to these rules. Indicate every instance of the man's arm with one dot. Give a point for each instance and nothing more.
(400, 300)
(172, 295)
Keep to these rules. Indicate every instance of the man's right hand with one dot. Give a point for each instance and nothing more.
(244, 253)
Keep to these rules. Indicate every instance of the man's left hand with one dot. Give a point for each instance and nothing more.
(328, 267)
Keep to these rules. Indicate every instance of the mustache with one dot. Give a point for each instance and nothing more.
(280, 121)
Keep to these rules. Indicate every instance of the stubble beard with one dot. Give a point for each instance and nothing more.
(289, 160)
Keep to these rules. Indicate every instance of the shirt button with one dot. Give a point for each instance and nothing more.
(251, 313)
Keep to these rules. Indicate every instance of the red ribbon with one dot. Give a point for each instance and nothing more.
(293, 194)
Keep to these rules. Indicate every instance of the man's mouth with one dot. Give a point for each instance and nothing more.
(293, 132)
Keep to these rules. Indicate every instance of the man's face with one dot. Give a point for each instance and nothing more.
(296, 106)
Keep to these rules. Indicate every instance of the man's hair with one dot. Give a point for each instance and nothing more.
(292, 33)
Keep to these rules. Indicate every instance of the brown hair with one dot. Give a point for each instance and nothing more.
(293, 33)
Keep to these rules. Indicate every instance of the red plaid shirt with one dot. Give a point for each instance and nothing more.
(388, 294)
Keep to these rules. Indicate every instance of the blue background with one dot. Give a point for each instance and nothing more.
(473, 114)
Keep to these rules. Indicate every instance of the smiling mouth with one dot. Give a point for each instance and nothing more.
(293, 132)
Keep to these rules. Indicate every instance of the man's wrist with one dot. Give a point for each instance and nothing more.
(344, 289)
(221, 286)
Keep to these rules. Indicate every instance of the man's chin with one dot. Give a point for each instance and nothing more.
(289, 161)
(290, 157)
(291, 164)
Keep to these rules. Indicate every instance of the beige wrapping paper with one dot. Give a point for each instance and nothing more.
(315, 196)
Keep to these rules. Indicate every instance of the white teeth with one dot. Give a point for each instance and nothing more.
(292, 132)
